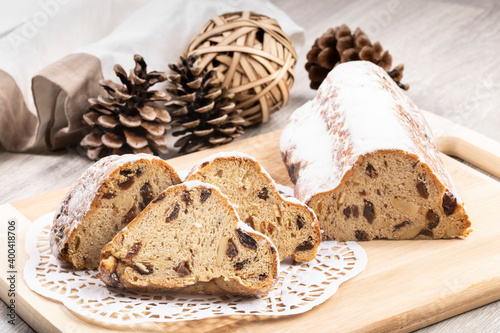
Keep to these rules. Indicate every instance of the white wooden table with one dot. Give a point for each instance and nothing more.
(451, 53)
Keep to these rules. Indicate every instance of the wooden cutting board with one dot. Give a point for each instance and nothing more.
(406, 284)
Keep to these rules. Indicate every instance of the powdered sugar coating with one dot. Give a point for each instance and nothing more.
(183, 174)
(81, 195)
(358, 110)
(284, 190)
(190, 184)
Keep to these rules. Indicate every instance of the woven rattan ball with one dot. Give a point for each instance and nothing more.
(256, 60)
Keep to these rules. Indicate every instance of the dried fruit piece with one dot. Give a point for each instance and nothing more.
(263, 194)
(146, 194)
(370, 171)
(300, 222)
(127, 218)
(115, 279)
(205, 193)
(368, 211)
(109, 195)
(305, 245)
(246, 240)
(426, 232)
(347, 212)
(126, 172)
(174, 214)
(449, 203)
(293, 170)
(239, 265)
(186, 197)
(401, 225)
(355, 211)
(127, 183)
(132, 252)
(183, 269)
(231, 250)
(249, 222)
(361, 235)
(422, 188)
(263, 276)
(433, 219)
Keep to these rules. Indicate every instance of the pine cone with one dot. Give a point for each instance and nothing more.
(338, 45)
(201, 107)
(128, 120)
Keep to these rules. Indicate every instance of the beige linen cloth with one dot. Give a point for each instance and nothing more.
(51, 63)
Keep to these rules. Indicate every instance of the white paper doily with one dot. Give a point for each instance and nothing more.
(299, 289)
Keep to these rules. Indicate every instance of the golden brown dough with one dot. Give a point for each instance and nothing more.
(104, 200)
(290, 224)
(190, 239)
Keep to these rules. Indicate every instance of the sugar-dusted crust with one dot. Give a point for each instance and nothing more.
(291, 225)
(86, 194)
(358, 114)
(190, 239)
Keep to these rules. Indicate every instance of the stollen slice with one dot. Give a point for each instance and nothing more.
(103, 200)
(190, 239)
(290, 224)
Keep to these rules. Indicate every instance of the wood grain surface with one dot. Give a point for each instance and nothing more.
(450, 51)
